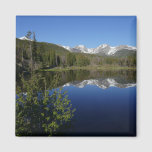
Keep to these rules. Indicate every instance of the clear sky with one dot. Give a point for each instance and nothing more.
(90, 31)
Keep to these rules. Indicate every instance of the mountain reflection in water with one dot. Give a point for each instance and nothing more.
(102, 79)
(101, 83)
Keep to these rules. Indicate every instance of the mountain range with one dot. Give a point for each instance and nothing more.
(104, 49)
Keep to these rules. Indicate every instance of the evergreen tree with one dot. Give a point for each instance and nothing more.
(34, 48)
(28, 35)
(58, 61)
(71, 59)
(52, 58)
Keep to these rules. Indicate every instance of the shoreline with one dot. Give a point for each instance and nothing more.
(102, 68)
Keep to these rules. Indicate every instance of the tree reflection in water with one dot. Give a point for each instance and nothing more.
(41, 110)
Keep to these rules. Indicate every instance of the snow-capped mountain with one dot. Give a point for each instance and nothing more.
(25, 38)
(82, 48)
(101, 83)
(103, 49)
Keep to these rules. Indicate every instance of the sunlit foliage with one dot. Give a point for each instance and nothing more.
(40, 111)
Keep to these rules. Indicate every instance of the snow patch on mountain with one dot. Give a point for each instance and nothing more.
(104, 49)
(25, 38)
(67, 47)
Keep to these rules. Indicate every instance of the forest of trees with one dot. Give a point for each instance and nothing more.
(33, 55)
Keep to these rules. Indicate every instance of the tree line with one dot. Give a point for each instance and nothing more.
(33, 55)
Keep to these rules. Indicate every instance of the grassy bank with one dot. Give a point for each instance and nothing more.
(103, 68)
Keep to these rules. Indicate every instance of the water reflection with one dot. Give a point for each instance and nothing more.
(80, 78)
(105, 103)
(102, 79)
(101, 83)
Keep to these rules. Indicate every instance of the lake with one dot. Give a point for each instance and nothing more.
(105, 102)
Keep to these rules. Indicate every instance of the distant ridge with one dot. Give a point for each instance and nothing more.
(103, 49)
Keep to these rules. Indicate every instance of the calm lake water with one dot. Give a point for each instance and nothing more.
(105, 102)
(110, 111)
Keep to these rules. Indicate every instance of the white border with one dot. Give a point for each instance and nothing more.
(8, 12)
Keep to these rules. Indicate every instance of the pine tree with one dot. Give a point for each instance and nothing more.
(28, 35)
(34, 48)
(52, 58)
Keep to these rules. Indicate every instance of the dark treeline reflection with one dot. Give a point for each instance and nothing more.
(40, 111)
(121, 76)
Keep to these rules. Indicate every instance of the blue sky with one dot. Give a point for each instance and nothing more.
(90, 31)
